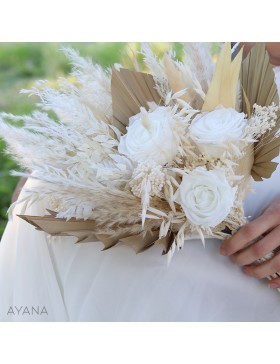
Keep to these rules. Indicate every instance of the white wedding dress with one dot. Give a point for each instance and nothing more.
(53, 279)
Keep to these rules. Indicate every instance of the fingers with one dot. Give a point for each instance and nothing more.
(274, 283)
(248, 233)
(258, 250)
(238, 247)
(265, 269)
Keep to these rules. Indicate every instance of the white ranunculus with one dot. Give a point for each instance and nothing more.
(214, 132)
(150, 137)
(205, 196)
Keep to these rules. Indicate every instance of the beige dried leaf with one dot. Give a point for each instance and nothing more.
(224, 85)
(177, 80)
(247, 106)
(258, 82)
(130, 91)
(85, 231)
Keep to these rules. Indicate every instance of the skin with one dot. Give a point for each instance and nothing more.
(19, 187)
(273, 49)
(265, 228)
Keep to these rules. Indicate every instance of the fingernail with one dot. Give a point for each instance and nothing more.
(273, 285)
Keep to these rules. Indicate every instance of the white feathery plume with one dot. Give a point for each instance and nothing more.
(156, 68)
(76, 146)
(94, 82)
(199, 59)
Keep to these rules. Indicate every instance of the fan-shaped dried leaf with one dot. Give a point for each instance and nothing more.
(258, 83)
(130, 91)
(141, 242)
(85, 232)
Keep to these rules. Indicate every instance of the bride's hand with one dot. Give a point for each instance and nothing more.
(266, 226)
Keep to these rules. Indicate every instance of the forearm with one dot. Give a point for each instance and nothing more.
(18, 189)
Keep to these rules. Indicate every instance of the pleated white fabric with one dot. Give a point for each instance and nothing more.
(64, 281)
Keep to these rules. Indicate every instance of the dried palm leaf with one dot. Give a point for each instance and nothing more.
(85, 231)
(258, 83)
(130, 91)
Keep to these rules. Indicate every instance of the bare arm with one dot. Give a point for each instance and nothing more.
(19, 186)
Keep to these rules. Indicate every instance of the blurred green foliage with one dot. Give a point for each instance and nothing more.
(23, 63)
(7, 185)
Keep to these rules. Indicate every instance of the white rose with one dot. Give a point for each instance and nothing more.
(150, 137)
(205, 196)
(213, 132)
